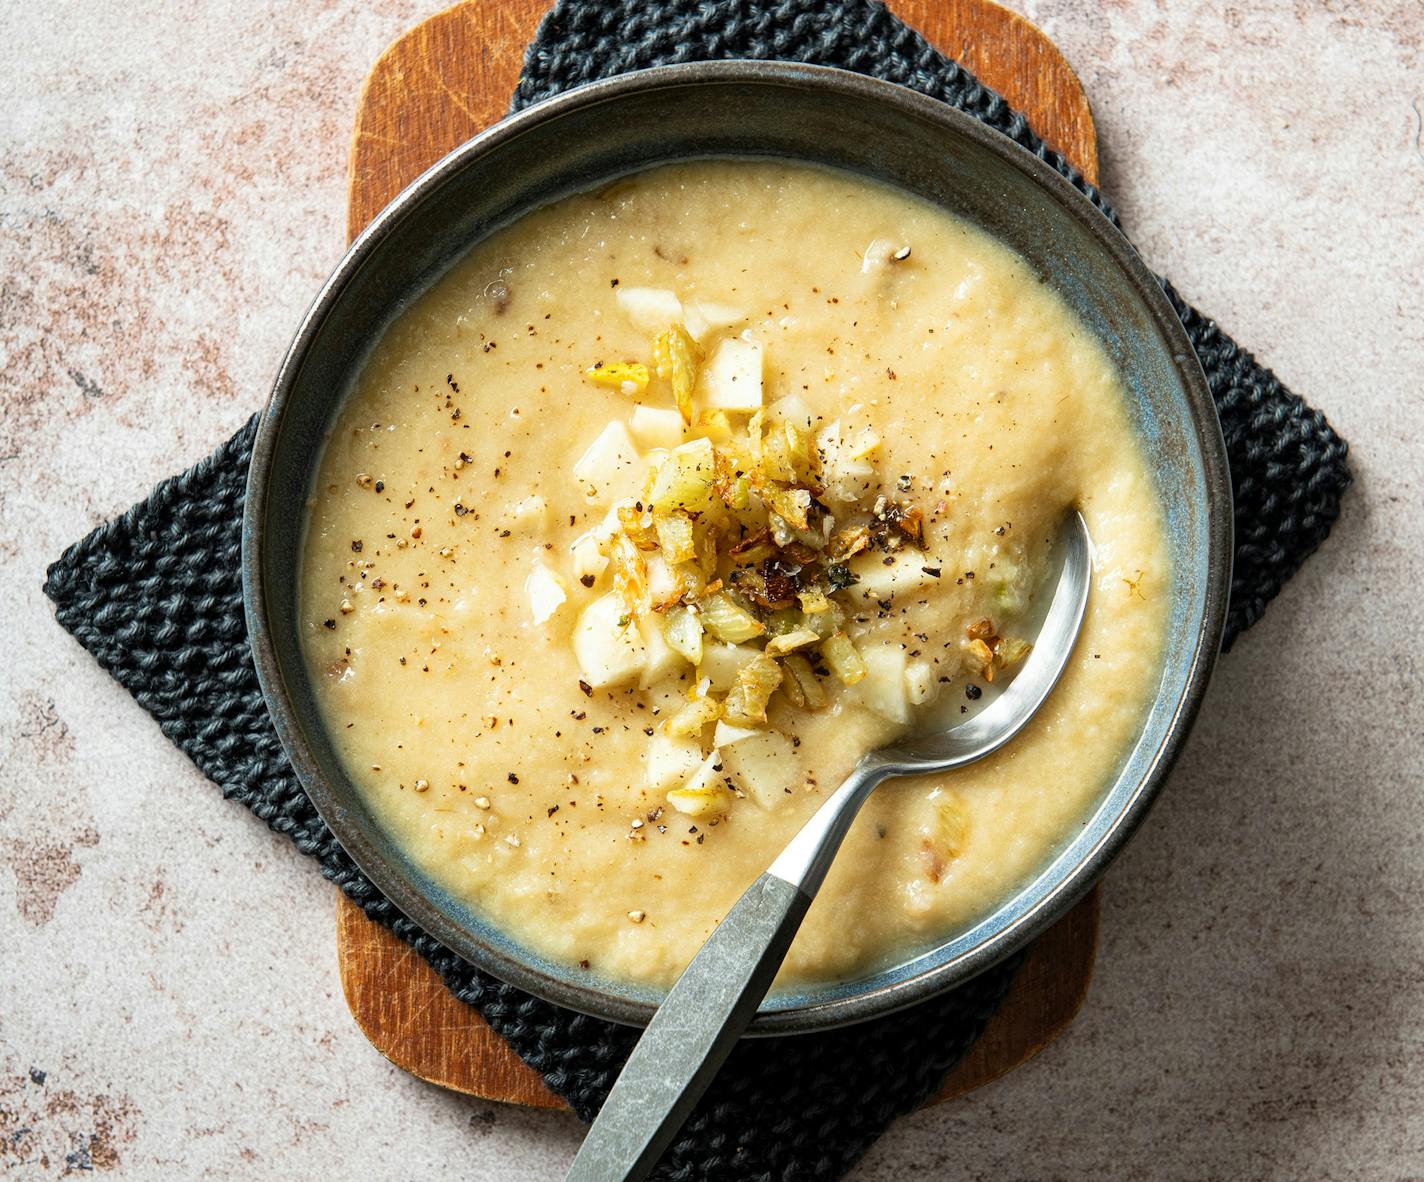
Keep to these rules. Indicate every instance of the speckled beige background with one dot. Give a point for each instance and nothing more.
(172, 184)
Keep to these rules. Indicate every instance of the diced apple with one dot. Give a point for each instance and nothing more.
(909, 573)
(589, 560)
(684, 632)
(846, 470)
(546, 593)
(726, 734)
(706, 793)
(722, 662)
(651, 309)
(660, 659)
(883, 687)
(531, 513)
(656, 426)
(665, 585)
(704, 317)
(690, 716)
(862, 446)
(665, 699)
(921, 683)
(612, 524)
(792, 409)
(609, 467)
(610, 648)
(731, 379)
(763, 765)
(668, 761)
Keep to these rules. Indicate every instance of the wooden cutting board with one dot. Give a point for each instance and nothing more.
(434, 88)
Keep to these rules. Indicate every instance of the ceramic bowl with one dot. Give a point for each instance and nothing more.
(592, 135)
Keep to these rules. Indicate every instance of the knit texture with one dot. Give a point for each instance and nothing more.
(155, 596)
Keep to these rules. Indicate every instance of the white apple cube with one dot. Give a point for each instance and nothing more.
(907, 573)
(793, 409)
(706, 793)
(589, 560)
(664, 584)
(609, 467)
(668, 761)
(660, 659)
(545, 592)
(763, 765)
(722, 662)
(726, 734)
(651, 309)
(531, 513)
(921, 683)
(610, 648)
(731, 379)
(654, 426)
(846, 468)
(702, 318)
(883, 687)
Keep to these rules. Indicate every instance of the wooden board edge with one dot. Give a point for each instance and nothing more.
(517, 19)
(1002, 1048)
(426, 1000)
(1055, 102)
(1062, 958)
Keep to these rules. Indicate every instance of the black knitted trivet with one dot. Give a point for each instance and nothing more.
(155, 596)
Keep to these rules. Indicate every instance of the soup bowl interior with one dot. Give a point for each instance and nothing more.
(590, 137)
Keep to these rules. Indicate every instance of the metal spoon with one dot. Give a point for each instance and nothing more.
(712, 1002)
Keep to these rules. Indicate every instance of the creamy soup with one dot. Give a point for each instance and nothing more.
(671, 500)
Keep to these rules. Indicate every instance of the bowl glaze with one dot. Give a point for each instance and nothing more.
(587, 138)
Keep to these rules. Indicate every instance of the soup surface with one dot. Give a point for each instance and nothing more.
(671, 500)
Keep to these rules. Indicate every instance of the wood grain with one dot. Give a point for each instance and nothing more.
(419, 1025)
(434, 88)
(451, 77)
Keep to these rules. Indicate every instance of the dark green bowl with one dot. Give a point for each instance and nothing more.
(745, 109)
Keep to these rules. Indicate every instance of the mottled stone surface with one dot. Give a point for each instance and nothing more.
(171, 194)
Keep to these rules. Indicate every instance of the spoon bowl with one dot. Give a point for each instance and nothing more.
(716, 997)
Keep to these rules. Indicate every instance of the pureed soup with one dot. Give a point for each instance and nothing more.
(671, 500)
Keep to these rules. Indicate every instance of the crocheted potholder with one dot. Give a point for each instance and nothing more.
(155, 596)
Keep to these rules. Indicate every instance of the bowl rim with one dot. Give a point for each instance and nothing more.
(1055, 901)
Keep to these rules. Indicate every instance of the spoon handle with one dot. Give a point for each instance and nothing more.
(691, 1035)
(706, 1011)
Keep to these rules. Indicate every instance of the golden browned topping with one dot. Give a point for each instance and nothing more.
(732, 541)
(628, 376)
(990, 651)
(677, 356)
(736, 565)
